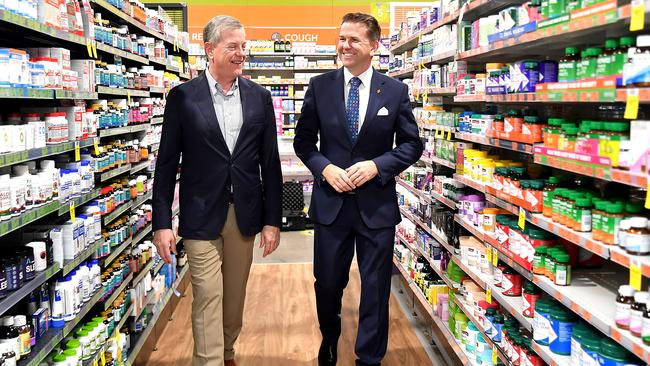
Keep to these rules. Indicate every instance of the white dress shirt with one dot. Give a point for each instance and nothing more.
(364, 91)
(228, 108)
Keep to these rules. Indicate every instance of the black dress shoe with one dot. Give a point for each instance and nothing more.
(327, 354)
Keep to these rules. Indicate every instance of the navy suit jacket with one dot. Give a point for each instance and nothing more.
(391, 141)
(191, 128)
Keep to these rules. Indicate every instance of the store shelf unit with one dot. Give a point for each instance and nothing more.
(117, 213)
(109, 302)
(70, 265)
(442, 328)
(123, 130)
(55, 335)
(135, 23)
(115, 252)
(115, 172)
(420, 194)
(157, 120)
(494, 142)
(122, 92)
(96, 357)
(139, 340)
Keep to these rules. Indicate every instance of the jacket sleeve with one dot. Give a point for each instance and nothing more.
(304, 143)
(167, 162)
(407, 140)
(270, 168)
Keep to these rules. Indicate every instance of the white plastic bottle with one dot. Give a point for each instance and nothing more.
(5, 197)
(58, 305)
(68, 298)
(22, 171)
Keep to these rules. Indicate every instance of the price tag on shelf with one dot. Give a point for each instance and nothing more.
(128, 96)
(635, 275)
(632, 104)
(95, 50)
(647, 196)
(425, 98)
(96, 145)
(436, 133)
(102, 358)
(488, 295)
(449, 135)
(522, 218)
(495, 257)
(77, 151)
(89, 47)
(637, 20)
(494, 355)
(488, 254)
(72, 213)
(95, 363)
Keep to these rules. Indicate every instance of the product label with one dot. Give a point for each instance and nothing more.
(636, 321)
(561, 275)
(645, 332)
(589, 358)
(576, 352)
(585, 220)
(567, 71)
(506, 284)
(541, 327)
(637, 243)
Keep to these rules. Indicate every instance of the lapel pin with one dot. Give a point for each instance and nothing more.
(378, 91)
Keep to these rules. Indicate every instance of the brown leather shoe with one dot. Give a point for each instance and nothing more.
(230, 363)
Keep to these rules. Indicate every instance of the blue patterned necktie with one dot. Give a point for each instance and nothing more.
(352, 108)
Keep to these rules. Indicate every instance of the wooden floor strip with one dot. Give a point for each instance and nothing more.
(281, 328)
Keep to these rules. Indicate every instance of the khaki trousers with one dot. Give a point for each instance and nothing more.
(219, 273)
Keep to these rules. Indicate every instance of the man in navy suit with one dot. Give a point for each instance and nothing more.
(368, 135)
(230, 186)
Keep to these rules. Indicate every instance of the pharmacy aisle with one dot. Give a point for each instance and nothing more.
(83, 89)
(525, 231)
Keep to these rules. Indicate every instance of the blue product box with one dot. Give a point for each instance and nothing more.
(514, 32)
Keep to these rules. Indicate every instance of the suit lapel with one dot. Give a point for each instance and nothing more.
(375, 102)
(245, 91)
(338, 103)
(204, 101)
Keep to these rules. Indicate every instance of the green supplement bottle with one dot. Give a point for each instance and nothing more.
(568, 66)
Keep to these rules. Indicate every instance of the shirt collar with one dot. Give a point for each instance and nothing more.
(216, 87)
(365, 76)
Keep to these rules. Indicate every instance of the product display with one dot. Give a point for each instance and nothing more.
(519, 199)
(84, 85)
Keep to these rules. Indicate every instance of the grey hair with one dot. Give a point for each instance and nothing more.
(212, 30)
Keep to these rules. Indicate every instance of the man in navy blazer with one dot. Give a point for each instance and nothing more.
(230, 186)
(368, 135)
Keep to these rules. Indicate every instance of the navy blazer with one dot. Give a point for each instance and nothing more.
(391, 141)
(191, 128)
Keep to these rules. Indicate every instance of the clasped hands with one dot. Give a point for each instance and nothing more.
(349, 179)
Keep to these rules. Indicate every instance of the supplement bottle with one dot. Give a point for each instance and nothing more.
(641, 299)
(624, 302)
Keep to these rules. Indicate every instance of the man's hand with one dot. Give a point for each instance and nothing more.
(270, 239)
(165, 242)
(338, 178)
(362, 172)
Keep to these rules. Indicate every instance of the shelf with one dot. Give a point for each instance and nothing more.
(142, 234)
(408, 71)
(115, 252)
(70, 94)
(444, 200)
(144, 272)
(443, 329)
(106, 90)
(15, 297)
(609, 95)
(123, 130)
(422, 195)
(268, 69)
(448, 164)
(434, 91)
(29, 216)
(155, 147)
(138, 340)
(494, 142)
(49, 150)
(575, 31)
(135, 23)
(26, 93)
(124, 54)
(139, 166)
(79, 201)
(634, 179)
(97, 355)
(185, 76)
(109, 302)
(157, 120)
(138, 201)
(412, 41)
(424, 227)
(115, 172)
(470, 315)
(69, 266)
(290, 112)
(157, 90)
(581, 239)
(468, 182)
(116, 213)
